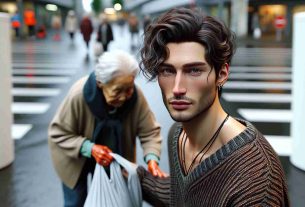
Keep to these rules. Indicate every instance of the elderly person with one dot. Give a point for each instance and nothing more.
(102, 113)
(71, 24)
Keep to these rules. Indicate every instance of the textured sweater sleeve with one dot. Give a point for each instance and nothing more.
(156, 191)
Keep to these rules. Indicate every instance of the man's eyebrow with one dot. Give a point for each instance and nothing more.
(194, 64)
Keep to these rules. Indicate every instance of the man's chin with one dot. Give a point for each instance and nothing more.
(180, 117)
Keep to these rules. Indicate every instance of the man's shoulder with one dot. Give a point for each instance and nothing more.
(173, 133)
(173, 130)
(259, 157)
(268, 152)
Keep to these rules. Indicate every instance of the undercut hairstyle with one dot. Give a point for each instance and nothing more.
(185, 25)
(115, 63)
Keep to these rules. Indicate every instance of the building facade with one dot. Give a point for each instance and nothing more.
(238, 14)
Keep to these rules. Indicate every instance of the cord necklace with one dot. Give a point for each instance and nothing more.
(204, 150)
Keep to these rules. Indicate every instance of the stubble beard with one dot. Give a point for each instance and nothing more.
(180, 117)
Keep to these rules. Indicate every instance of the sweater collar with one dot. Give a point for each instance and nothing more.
(245, 137)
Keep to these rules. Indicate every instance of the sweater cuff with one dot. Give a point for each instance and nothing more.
(151, 156)
(86, 148)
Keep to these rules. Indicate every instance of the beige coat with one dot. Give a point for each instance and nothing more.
(73, 123)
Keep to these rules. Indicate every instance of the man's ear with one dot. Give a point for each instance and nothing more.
(223, 74)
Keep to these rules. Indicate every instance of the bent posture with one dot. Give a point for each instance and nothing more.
(102, 113)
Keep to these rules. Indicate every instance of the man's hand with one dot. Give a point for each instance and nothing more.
(101, 154)
(154, 169)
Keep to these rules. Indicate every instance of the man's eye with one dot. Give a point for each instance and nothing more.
(166, 72)
(194, 71)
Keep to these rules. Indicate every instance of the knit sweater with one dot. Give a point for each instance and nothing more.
(244, 172)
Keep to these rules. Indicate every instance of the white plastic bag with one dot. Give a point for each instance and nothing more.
(98, 49)
(115, 191)
(257, 33)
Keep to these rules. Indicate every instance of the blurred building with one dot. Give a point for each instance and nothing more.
(238, 14)
(43, 9)
(269, 10)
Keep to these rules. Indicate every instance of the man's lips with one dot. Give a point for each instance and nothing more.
(180, 105)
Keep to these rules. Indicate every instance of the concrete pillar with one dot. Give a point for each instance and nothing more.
(6, 120)
(239, 17)
(298, 96)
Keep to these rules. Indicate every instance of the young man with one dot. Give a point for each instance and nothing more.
(102, 113)
(215, 159)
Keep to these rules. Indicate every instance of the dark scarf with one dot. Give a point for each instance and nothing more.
(108, 128)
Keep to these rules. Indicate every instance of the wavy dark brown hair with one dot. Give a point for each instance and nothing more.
(186, 25)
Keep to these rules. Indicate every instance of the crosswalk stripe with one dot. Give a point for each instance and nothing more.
(257, 97)
(266, 115)
(19, 130)
(40, 80)
(43, 65)
(37, 49)
(41, 61)
(260, 50)
(257, 85)
(259, 69)
(36, 92)
(281, 144)
(260, 76)
(29, 108)
(43, 72)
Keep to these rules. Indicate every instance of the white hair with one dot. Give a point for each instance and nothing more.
(115, 63)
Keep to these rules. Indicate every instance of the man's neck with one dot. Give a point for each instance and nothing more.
(200, 129)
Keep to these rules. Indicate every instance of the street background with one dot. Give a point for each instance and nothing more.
(259, 90)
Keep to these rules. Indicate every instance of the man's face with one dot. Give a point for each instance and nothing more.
(187, 82)
(118, 90)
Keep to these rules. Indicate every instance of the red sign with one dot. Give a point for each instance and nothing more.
(280, 22)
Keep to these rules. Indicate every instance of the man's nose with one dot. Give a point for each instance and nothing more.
(179, 85)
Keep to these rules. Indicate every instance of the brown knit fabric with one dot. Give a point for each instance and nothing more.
(244, 172)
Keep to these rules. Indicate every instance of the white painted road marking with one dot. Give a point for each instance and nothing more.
(260, 76)
(266, 115)
(35, 92)
(257, 97)
(259, 69)
(257, 85)
(19, 130)
(281, 144)
(41, 80)
(43, 72)
(29, 108)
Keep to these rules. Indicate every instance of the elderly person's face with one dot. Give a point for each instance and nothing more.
(118, 90)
